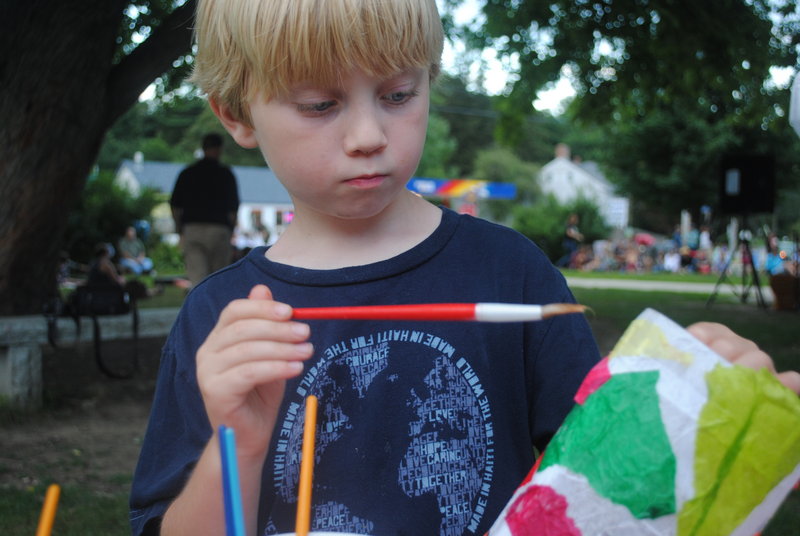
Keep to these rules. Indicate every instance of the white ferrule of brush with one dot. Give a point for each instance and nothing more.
(507, 312)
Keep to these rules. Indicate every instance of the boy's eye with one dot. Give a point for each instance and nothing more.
(399, 97)
(316, 107)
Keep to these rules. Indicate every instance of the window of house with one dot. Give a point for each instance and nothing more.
(255, 219)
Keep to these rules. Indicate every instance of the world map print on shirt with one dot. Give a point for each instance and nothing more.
(403, 422)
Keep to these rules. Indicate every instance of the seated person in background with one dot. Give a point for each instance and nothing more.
(102, 271)
(687, 259)
(70, 273)
(583, 259)
(132, 253)
(672, 261)
(776, 264)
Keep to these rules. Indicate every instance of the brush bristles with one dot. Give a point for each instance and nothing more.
(555, 309)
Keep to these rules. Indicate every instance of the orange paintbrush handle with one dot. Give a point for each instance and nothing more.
(303, 522)
(48, 514)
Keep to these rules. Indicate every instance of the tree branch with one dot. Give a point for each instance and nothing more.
(152, 57)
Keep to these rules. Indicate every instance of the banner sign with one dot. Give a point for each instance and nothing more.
(455, 188)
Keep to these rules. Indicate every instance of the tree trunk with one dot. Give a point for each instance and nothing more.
(56, 103)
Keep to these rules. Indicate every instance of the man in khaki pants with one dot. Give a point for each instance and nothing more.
(204, 205)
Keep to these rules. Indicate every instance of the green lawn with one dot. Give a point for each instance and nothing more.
(171, 296)
(661, 276)
(82, 511)
(776, 332)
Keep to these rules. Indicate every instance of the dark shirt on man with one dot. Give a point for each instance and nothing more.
(206, 192)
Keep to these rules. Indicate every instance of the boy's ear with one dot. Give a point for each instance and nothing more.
(241, 132)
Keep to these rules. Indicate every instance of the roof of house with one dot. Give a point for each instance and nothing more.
(257, 185)
(593, 169)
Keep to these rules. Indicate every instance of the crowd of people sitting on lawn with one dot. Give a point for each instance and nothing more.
(694, 253)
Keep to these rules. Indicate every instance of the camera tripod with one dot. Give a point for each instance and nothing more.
(750, 279)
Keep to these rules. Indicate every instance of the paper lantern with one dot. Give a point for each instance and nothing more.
(666, 438)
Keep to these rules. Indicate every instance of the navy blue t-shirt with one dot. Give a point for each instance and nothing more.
(423, 427)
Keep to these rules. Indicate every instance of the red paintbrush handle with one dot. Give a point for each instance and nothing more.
(428, 311)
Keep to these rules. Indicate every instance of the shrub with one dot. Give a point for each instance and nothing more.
(167, 259)
(543, 222)
(102, 214)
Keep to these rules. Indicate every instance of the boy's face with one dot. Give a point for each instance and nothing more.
(345, 151)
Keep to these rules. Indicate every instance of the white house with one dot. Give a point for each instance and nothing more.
(263, 201)
(567, 179)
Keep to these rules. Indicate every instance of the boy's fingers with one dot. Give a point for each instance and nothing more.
(237, 330)
(261, 372)
(245, 364)
(252, 351)
(790, 379)
(265, 309)
(258, 329)
(217, 360)
(754, 359)
(260, 292)
(741, 351)
(243, 378)
(726, 343)
(709, 332)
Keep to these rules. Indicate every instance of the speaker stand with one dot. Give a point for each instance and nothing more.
(750, 279)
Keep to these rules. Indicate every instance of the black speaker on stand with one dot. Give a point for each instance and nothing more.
(746, 186)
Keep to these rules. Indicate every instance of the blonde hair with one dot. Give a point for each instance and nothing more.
(250, 46)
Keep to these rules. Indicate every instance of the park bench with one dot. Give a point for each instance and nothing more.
(94, 302)
(22, 339)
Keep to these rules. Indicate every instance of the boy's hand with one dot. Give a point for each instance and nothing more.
(740, 351)
(243, 365)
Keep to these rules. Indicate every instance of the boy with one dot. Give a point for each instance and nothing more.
(423, 428)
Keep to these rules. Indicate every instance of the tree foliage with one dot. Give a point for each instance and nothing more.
(628, 57)
(470, 117)
(542, 132)
(673, 85)
(671, 160)
(499, 164)
(439, 148)
(674, 168)
(476, 120)
(169, 130)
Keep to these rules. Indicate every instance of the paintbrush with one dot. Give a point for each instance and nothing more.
(303, 521)
(231, 490)
(476, 312)
(47, 517)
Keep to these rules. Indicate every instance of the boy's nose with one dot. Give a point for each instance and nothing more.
(365, 132)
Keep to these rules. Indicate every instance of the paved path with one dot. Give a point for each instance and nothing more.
(668, 286)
